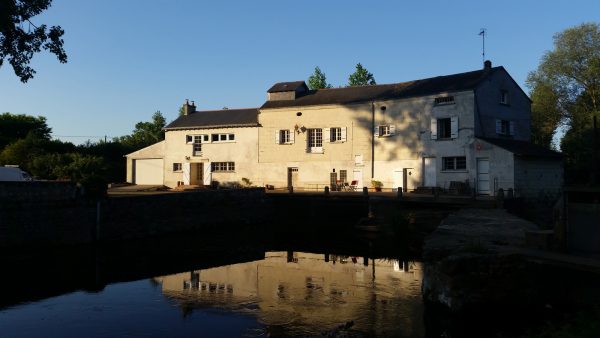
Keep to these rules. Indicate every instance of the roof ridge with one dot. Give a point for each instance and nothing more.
(409, 81)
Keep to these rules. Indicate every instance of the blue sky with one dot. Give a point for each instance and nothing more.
(128, 59)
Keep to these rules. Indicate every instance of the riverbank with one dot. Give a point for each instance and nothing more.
(481, 278)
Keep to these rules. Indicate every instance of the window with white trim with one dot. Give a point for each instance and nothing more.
(177, 167)
(444, 128)
(454, 163)
(335, 134)
(385, 130)
(222, 167)
(315, 140)
(215, 138)
(190, 139)
(284, 136)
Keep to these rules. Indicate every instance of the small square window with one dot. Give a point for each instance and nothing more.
(205, 138)
(214, 137)
(384, 131)
(223, 137)
(231, 137)
(177, 167)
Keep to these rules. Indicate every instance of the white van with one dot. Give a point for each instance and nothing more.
(13, 173)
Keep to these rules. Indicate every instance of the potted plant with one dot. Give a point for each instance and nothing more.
(377, 185)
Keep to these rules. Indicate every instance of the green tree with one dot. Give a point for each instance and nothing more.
(546, 115)
(24, 152)
(318, 80)
(568, 78)
(14, 127)
(145, 133)
(20, 38)
(361, 77)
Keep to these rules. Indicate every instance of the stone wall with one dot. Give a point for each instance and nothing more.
(38, 191)
(36, 223)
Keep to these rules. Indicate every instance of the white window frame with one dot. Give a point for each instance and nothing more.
(386, 130)
(436, 125)
(177, 167)
(454, 163)
(222, 167)
(315, 141)
(191, 138)
(222, 137)
(284, 136)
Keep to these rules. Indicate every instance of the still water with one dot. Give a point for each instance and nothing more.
(286, 293)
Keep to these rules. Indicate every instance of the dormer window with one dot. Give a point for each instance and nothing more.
(443, 100)
(503, 97)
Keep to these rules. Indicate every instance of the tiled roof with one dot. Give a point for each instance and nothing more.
(347, 95)
(217, 119)
(523, 148)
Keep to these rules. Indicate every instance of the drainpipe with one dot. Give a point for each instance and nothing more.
(372, 139)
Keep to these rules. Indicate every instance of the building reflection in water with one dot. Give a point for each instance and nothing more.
(306, 294)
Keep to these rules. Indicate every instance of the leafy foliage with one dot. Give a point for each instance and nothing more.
(145, 133)
(546, 115)
(566, 89)
(361, 77)
(318, 80)
(20, 39)
(14, 127)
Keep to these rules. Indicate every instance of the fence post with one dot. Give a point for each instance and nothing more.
(291, 189)
(365, 191)
(399, 192)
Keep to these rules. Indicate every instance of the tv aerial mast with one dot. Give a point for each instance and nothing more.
(482, 33)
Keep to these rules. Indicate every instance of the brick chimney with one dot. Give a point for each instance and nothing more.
(487, 64)
(189, 108)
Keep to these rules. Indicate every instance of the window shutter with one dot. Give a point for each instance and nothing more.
(207, 173)
(292, 134)
(277, 133)
(326, 134)
(392, 130)
(433, 128)
(454, 127)
(498, 126)
(343, 134)
(511, 130)
(188, 138)
(376, 131)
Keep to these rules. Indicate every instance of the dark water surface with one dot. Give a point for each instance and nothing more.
(339, 286)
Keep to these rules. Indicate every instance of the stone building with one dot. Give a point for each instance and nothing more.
(467, 131)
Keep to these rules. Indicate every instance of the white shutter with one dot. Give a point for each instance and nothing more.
(277, 140)
(433, 128)
(186, 173)
(326, 134)
(454, 127)
(292, 134)
(343, 134)
(392, 129)
(498, 126)
(376, 131)
(511, 131)
(207, 173)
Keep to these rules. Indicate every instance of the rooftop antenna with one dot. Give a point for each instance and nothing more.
(482, 33)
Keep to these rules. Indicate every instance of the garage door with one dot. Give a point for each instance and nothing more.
(149, 171)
